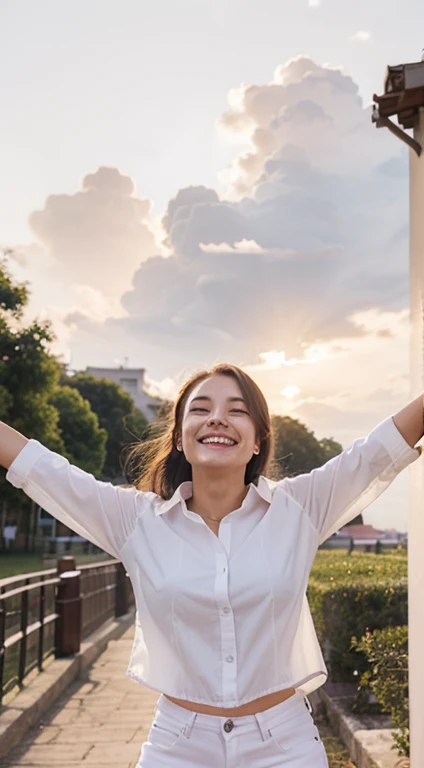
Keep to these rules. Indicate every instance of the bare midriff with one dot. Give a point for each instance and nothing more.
(251, 708)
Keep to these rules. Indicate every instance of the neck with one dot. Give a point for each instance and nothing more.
(216, 498)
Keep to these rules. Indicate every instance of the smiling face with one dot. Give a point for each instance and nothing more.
(216, 406)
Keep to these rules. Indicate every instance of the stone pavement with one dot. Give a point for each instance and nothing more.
(100, 720)
(103, 718)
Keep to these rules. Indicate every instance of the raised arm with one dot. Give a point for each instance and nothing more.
(410, 421)
(103, 513)
(332, 495)
(11, 443)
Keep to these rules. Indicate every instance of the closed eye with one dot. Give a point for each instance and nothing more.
(236, 410)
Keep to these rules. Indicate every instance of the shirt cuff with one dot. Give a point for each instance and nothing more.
(24, 462)
(395, 444)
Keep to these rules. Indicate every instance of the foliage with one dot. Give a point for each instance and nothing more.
(347, 594)
(84, 440)
(364, 595)
(29, 398)
(386, 651)
(13, 297)
(336, 567)
(297, 450)
(28, 375)
(116, 414)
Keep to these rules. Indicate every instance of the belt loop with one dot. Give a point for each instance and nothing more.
(265, 734)
(308, 704)
(189, 726)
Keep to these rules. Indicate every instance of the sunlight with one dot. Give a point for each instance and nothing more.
(312, 354)
(290, 391)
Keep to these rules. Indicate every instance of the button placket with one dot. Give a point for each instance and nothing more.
(228, 638)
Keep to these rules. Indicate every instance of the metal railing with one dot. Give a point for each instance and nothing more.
(52, 611)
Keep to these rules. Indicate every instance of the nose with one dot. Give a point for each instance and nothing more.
(216, 417)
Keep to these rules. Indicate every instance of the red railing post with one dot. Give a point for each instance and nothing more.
(68, 608)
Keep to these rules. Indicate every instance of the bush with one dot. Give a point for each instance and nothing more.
(386, 651)
(349, 594)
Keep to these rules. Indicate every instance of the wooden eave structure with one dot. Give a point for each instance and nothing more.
(403, 96)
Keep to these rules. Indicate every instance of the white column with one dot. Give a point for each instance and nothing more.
(416, 506)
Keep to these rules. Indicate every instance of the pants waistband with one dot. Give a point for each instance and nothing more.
(280, 713)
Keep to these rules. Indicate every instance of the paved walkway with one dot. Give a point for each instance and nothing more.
(100, 720)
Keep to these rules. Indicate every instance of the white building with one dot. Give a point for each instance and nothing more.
(132, 381)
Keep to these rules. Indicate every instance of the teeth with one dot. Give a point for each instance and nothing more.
(223, 440)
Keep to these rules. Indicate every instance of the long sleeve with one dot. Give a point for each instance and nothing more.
(332, 495)
(100, 512)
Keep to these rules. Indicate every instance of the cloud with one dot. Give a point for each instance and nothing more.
(363, 35)
(314, 3)
(298, 271)
(99, 235)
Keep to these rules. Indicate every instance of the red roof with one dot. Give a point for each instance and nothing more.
(361, 531)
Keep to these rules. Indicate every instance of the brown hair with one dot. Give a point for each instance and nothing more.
(157, 465)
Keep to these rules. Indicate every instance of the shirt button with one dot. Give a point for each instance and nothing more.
(226, 609)
(229, 659)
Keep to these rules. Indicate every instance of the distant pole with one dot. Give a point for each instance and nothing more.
(416, 500)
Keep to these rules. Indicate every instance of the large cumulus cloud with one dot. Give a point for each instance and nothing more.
(311, 230)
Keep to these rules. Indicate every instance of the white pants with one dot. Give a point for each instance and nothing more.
(284, 736)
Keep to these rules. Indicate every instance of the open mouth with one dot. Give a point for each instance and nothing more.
(218, 445)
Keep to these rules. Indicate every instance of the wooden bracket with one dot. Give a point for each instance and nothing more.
(385, 122)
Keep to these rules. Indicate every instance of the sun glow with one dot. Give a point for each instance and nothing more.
(290, 391)
(273, 360)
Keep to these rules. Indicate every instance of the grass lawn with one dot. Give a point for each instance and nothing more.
(11, 564)
(14, 564)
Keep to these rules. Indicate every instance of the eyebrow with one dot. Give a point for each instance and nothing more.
(230, 399)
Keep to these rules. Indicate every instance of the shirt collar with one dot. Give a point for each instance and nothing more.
(265, 489)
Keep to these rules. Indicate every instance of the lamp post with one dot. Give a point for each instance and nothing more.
(404, 97)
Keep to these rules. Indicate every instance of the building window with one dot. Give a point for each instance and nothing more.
(128, 384)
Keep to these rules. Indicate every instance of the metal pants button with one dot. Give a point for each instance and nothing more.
(228, 726)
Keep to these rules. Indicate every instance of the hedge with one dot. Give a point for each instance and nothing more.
(350, 594)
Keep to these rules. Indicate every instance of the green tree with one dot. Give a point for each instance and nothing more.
(116, 414)
(84, 440)
(297, 449)
(31, 400)
(28, 371)
(330, 447)
(12, 296)
(28, 375)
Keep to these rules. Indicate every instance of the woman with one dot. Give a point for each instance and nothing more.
(219, 558)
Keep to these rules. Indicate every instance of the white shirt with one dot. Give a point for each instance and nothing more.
(220, 620)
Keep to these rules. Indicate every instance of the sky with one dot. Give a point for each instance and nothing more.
(187, 182)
